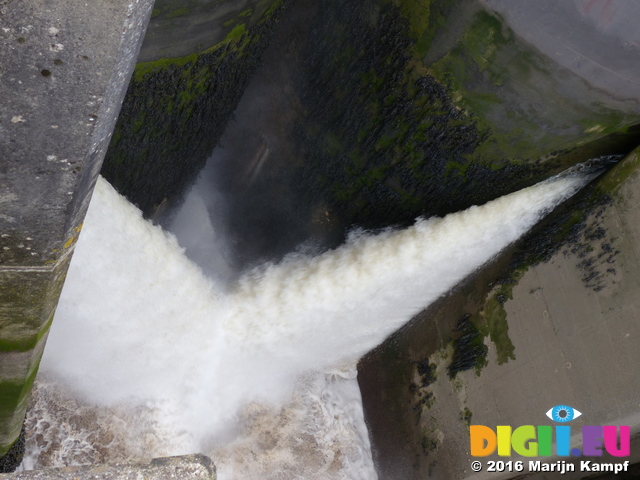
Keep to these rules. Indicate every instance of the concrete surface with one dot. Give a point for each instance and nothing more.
(188, 467)
(596, 39)
(64, 69)
(182, 27)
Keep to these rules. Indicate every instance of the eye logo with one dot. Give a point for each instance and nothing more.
(563, 413)
(537, 441)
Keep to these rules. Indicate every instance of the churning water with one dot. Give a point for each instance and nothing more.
(147, 356)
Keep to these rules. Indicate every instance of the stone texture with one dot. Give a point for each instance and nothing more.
(64, 68)
(188, 467)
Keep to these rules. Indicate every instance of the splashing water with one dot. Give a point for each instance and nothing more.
(180, 365)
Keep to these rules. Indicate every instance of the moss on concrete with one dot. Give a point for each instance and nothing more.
(178, 12)
(144, 69)
(389, 136)
(28, 299)
(27, 340)
(489, 66)
(494, 319)
(628, 167)
(15, 394)
(565, 228)
(469, 350)
(388, 141)
(176, 110)
(392, 135)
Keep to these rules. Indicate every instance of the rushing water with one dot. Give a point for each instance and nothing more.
(147, 356)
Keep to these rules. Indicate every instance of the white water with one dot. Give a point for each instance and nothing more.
(175, 364)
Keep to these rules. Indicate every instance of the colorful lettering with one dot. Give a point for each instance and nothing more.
(531, 441)
(483, 440)
(523, 441)
(611, 441)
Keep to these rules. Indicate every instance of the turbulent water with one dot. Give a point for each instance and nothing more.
(147, 356)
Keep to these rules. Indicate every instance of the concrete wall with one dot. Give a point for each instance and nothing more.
(187, 467)
(64, 68)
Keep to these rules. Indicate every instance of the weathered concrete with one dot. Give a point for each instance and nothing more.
(544, 78)
(188, 467)
(595, 40)
(183, 27)
(64, 68)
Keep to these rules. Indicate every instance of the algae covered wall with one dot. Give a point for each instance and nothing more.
(369, 126)
(176, 108)
(64, 74)
(428, 107)
(179, 28)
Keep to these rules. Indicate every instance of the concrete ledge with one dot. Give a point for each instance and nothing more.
(187, 467)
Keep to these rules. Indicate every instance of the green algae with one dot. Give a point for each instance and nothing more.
(28, 337)
(493, 319)
(178, 12)
(489, 69)
(144, 69)
(445, 123)
(236, 33)
(469, 350)
(176, 108)
(466, 415)
(419, 14)
(28, 301)
(14, 397)
(471, 72)
(426, 18)
(494, 323)
(628, 167)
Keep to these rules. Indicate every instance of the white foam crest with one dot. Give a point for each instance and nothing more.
(139, 324)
